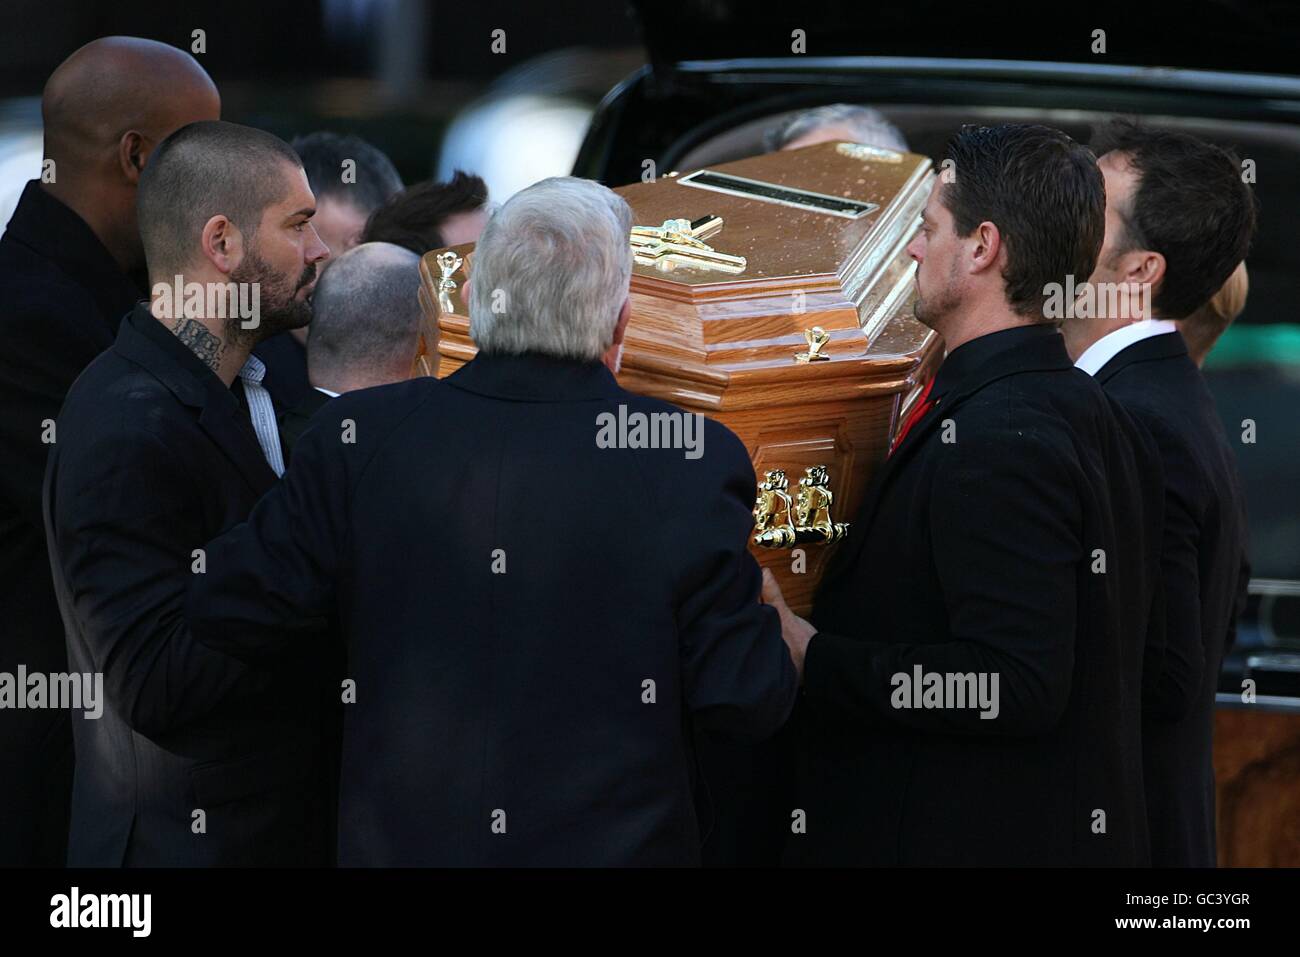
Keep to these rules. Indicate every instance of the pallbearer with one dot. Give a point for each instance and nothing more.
(1179, 221)
(997, 562)
(537, 608)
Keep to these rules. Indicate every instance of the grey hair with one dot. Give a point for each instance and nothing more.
(366, 313)
(868, 124)
(551, 271)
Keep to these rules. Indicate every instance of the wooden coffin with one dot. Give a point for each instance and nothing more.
(1257, 777)
(823, 233)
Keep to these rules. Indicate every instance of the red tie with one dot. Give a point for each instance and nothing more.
(922, 406)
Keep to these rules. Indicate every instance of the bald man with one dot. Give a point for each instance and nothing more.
(365, 328)
(70, 267)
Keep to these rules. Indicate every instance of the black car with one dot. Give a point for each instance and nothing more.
(721, 73)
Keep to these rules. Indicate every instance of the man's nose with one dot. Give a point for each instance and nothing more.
(316, 249)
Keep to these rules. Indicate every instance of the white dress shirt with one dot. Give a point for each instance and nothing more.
(1096, 356)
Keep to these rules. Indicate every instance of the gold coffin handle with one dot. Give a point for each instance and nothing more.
(780, 522)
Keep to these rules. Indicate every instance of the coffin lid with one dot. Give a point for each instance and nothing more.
(709, 338)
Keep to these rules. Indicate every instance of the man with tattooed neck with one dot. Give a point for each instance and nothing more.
(167, 439)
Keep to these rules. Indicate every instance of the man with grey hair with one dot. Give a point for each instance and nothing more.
(537, 612)
(572, 302)
(835, 123)
(365, 328)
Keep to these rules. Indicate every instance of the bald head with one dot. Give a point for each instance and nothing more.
(105, 108)
(115, 85)
(366, 318)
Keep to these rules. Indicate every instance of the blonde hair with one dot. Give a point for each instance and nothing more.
(1203, 327)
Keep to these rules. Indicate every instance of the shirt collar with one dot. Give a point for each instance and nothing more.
(253, 369)
(1096, 356)
(323, 391)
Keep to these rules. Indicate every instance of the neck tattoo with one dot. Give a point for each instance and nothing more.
(200, 341)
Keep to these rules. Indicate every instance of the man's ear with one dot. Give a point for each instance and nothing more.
(222, 243)
(1143, 266)
(620, 327)
(132, 154)
(613, 357)
(988, 246)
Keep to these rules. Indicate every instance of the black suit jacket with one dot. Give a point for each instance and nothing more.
(154, 458)
(1201, 557)
(533, 621)
(294, 421)
(974, 553)
(286, 370)
(61, 298)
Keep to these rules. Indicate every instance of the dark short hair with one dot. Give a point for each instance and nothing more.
(412, 219)
(1045, 194)
(202, 170)
(323, 155)
(1191, 205)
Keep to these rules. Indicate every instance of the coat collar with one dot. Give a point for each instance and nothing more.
(981, 362)
(53, 231)
(1037, 348)
(532, 377)
(1169, 345)
(311, 403)
(146, 342)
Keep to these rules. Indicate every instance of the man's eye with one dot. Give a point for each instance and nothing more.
(300, 226)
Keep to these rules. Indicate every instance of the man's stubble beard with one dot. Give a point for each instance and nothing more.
(278, 310)
(930, 311)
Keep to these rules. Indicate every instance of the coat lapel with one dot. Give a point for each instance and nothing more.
(221, 420)
(140, 340)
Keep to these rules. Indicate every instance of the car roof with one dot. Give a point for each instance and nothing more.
(1230, 35)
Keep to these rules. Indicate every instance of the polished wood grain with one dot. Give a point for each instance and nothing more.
(724, 345)
(1257, 787)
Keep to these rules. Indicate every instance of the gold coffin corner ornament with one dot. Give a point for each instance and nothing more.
(448, 263)
(817, 338)
(781, 523)
(680, 242)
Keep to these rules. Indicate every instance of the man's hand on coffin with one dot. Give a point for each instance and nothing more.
(796, 631)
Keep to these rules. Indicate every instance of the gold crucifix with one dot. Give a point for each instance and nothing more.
(680, 242)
